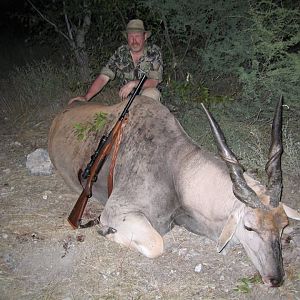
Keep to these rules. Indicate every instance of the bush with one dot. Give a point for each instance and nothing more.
(254, 42)
(271, 69)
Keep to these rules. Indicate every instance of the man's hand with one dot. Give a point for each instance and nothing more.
(79, 98)
(126, 89)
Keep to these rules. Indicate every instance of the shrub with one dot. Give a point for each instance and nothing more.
(271, 69)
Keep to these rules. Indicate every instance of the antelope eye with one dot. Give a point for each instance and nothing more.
(248, 228)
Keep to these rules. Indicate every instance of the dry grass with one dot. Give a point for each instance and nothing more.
(250, 141)
(29, 89)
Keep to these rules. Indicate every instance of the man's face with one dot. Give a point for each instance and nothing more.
(136, 41)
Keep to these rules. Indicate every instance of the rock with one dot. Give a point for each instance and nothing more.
(182, 252)
(8, 261)
(46, 194)
(38, 162)
(198, 268)
(6, 171)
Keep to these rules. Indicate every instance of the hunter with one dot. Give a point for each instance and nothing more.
(129, 63)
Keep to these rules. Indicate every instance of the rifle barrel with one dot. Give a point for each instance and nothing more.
(136, 91)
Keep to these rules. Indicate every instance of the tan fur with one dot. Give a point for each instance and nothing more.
(137, 233)
(269, 221)
(163, 172)
(152, 93)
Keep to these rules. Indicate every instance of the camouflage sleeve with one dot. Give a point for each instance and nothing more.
(156, 71)
(110, 69)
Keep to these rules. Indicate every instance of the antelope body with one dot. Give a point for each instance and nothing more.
(162, 178)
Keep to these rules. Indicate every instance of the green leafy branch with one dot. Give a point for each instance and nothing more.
(83, 130)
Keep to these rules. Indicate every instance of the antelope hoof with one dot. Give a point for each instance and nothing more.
(106, 230)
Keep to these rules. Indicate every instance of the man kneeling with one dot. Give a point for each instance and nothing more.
(129, 63)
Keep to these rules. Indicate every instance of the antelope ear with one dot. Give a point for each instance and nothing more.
(291, 213)
(227, 232)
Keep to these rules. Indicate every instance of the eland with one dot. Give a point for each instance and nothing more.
(162, 178)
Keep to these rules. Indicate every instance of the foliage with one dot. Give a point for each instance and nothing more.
(82, 130)
(271, 68)
(181, 23)
(246, 283)
(183, 95)
(204, 30)
(254, 41)
(81, 28)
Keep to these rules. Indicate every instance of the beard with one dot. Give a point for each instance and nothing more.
(136, 47)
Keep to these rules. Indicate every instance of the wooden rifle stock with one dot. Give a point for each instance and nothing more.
(97, 161)
(76, 214)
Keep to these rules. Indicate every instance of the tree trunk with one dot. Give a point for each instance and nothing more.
(80, 50)
(78, 45)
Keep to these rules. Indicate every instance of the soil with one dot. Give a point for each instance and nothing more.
(42, 257)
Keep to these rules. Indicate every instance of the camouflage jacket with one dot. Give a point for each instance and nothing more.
(121, 65)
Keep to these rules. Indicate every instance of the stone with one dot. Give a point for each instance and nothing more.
(38, 162)
(198, 268)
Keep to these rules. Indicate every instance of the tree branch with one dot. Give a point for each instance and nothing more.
(187, 47)
(48, 21)
(169, 42)
(71, 38)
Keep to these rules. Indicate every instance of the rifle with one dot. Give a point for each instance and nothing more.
(97, 161)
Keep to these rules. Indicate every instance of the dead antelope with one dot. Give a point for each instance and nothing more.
(163, 178)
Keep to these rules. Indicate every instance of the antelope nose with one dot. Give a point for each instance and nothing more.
(275, 282)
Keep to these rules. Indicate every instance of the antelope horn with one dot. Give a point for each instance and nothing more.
(240, 187)
(273, 166)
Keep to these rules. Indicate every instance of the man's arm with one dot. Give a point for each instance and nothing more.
(95, 88)
(128, 87)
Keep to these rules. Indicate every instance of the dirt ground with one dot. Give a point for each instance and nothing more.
(43, 258)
